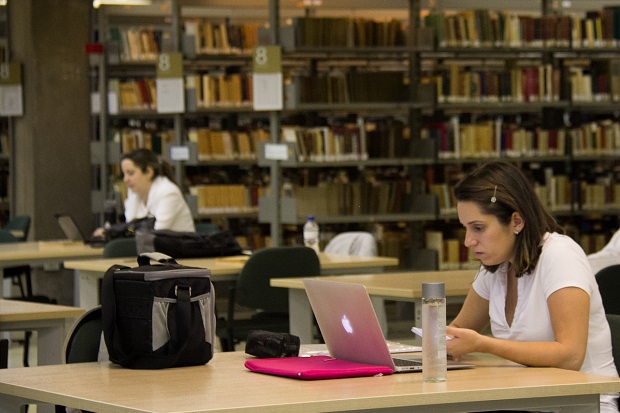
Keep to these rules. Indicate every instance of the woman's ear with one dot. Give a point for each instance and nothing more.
(517, 222)
(150, 172)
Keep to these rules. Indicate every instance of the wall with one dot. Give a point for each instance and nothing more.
(52, 150)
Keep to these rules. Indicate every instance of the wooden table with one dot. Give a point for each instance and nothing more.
(43, 252)
(399, 286)
(50, 321)
(89, 272)
(225, 386)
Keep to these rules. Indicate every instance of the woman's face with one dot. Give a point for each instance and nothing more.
(136, 180)
(492, 243)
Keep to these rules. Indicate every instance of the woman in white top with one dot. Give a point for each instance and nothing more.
(151, 191)
(535, 287)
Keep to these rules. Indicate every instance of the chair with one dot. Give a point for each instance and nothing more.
(84, 338)
(83, 341)
(363, 244)
(608, 280)
(120, 247)
(252, 290)
(207, 228)
(353, 243)
(614, 326)
(19, 226)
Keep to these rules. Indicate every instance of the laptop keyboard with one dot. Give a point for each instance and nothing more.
(405, 362)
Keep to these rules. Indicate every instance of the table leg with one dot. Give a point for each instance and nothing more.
(88, 287)
(301, 317)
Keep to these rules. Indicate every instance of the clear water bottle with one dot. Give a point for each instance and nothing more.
(434, 357)
(311, 234)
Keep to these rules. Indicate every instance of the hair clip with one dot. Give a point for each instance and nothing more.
(493, 198)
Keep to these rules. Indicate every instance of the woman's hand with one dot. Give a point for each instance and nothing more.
(462, 341)
(99, 233)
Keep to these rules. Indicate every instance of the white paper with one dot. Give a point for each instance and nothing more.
(113, 103)
(11, 100)
(179, 153)
(267, 91)
(170, 95)
(276, 151)
(94, 103)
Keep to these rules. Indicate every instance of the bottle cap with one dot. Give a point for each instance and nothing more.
(433, 290)
(310, 217)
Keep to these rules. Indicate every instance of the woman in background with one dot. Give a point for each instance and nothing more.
(151, 191)
(535, 286)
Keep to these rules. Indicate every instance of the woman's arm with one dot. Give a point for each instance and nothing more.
(474, 314)
(569, 309)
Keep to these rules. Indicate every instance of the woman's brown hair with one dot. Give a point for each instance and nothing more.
(512, 192)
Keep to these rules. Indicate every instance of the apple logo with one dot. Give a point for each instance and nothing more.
(347, 324)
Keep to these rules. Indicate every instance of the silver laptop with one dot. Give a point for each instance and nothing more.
(350, 328)
(73, 233)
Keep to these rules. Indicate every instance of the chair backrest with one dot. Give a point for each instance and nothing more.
(253, 289)
(6, 236)
(207, 228)
(608, 280)
(82, 343)
(120, 247)
(19, 226)
(353, 243)
(614, 326)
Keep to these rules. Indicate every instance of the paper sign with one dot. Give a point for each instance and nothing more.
(11, 101)
(170, 86)
(179, 153)
(267, 78)
(276, 151)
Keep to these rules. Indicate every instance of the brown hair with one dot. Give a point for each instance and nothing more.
(513, 192)
(143, 158)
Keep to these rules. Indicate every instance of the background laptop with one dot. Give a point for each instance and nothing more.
(350, 328)
(72, 231)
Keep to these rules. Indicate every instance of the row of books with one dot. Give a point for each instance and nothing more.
(215, 198)
(136, 44)
(560, 193)
(459, 84)
(132, 94)
(208, 90)
(451, 251)
(366, 139)
(487, 28)
(497, 138)
(215, 144)
(211, 37)
(379, 195)
(347, 32)
(338, 86)
(134, 138)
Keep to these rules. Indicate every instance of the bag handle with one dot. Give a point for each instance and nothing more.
(146, 257)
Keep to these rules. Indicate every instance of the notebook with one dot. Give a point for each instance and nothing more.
(73, 233)
(350, 328)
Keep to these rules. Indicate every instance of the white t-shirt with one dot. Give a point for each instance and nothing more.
(562, 264)
(165, 202)
(609, 255)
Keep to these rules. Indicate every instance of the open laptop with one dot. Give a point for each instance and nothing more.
(350, 328)
(73, 233)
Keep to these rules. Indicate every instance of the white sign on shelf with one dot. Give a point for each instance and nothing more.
(276, 151)
(169, 83)
(11, 100)
(179, 153)
(267, 78)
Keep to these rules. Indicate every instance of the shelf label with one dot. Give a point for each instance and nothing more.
(11, 101)
(276, 151)
(267, 78)
(179, 153)
(170, 87)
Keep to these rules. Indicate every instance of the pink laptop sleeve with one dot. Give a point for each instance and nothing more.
(314, 368)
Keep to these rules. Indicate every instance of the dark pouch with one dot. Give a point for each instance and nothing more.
(265, 344)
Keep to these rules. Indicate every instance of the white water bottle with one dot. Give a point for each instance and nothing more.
(311, 234)
(434, 357)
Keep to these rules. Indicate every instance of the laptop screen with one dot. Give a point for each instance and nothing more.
(69, 227)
